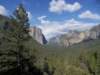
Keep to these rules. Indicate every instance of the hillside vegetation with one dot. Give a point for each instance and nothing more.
(79, 59)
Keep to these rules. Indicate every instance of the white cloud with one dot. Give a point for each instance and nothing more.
(89, 15)
(59, 6)
(29, 15)
(3, 10)
(43, 20)
(52, 28)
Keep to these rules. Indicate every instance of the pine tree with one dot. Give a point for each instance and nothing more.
(22, 36)
(14, 53)
(22, 16)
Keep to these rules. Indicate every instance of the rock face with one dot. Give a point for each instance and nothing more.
(69, 38)
(37, 34)
(74, 37)
(95, 32)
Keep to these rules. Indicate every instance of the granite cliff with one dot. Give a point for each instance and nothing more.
(37, 34)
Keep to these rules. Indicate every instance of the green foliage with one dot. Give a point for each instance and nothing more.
(92, 62)
(98, 64)
(79, 59)
(16, 46)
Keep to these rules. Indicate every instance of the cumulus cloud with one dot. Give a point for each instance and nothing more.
(89, 15)
(59, 6)
(29, 15)
(3, 10)
(53, 28)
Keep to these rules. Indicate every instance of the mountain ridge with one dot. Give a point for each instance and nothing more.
(74, 37)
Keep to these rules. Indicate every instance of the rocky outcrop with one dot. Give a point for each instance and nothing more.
(37, 34)
(69, 38)
(95, 32)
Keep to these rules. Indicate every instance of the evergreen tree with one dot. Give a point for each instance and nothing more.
(22, 16)
(14, 52)
(22, 36)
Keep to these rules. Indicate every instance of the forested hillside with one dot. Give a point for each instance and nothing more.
(79, 59)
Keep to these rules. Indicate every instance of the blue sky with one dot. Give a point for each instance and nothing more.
(57, 16)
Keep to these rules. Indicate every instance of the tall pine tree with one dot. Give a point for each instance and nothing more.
(22, 36)
(15, 50)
